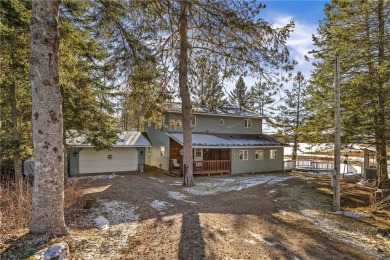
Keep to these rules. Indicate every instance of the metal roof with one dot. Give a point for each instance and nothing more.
(175, 107)
(228, 140)
(125, 139)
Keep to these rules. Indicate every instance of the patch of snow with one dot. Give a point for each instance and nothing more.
(94, 177)
(108, 243)
(159, 205)
(179, 196)
(224, 230)
(262, 239)
(177, 183)
(212, 186)
(337, 230)
(252, 242)
(161, 181)
(152, 178)
(351, 214)
(272, 191)
(102, 222)
(283, 212)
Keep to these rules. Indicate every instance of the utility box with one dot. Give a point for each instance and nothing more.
(370, 174)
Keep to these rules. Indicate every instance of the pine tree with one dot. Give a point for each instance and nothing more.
(260, 95)
(293, 113)
(238, 96)
(207, 83)
(355, 30)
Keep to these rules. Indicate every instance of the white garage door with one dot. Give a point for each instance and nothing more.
(122, 159)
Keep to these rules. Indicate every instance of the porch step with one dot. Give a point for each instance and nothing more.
(173, 173)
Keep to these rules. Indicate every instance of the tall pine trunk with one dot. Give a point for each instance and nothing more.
(185, 96)
(15, 134)
(47, 121)
(381, 127)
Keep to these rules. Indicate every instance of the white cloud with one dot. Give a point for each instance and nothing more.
(300, 41)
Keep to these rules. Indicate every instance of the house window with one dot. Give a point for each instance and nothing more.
(247, 123)
(221, 122)
(162, 151)
(193, 121)
(198, 153)
(259, 155)
(273, 154)
(148, 150)
(243, 154)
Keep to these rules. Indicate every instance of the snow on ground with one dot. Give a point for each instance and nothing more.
(209, 186)
(120, 222)
(93, 177)
(159, 205)
(262, 239)
(179, 196)
(338, 231)
(102, 222)
(177, 183)
(351, 214)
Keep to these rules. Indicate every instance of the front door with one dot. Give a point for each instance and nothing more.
(198, 157)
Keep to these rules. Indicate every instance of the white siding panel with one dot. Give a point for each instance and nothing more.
(123, 159)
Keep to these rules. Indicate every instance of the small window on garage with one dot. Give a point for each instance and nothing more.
(148, 150)
(259, 155)
(247, 123)
(273, 154)
(243, 154)
(162, 151)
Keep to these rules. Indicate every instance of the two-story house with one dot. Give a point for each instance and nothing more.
(224, 141)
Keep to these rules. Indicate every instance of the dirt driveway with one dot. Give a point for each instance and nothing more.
(151, 216)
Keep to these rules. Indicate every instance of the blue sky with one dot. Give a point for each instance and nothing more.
(306, 15)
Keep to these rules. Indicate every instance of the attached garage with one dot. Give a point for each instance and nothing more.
(114, 160)
(125, 155)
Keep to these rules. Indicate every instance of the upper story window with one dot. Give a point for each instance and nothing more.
(193, 121)
(243, 154)
(273, 154)
(247, 123)
(221, 122)
(259, 155)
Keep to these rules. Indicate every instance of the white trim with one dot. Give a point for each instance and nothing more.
(237, 147)
(243, 157)
(276, 152)
(262, 158)
(193, 118)
(222, 115)
(249, 123)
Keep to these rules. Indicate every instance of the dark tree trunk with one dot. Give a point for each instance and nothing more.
(47, 120)
(381, 134)
(185, 96)
(15, 135)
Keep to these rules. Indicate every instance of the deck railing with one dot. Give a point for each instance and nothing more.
(215, 166)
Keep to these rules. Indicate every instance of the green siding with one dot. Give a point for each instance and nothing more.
(73, 160)
(158, 138)
(252, 165)
(207, 123)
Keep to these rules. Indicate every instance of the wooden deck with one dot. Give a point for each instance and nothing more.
(215, 166)
(205, 167)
